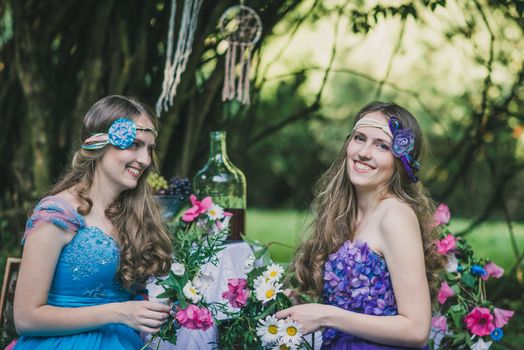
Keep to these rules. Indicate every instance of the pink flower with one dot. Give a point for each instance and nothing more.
(446, 244)
(444, 293)
(494, 270)
(479, 321)
(502, 316)
(442, 215)
(440, 323)
(199, 207)
(236, 293)
(193, 317)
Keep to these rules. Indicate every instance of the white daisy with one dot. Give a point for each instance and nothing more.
(178, 268)
(267, 291)
(259, 280)
(274, 272)
(215, 212)
(290, 331)
(192, 293)
(267, 330)
(282, 345)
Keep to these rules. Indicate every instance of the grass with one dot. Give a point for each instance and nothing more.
(491, 239)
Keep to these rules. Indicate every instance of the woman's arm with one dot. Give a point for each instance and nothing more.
(34, 317)
(402, 248)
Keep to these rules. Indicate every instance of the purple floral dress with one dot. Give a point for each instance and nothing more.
(357, 279)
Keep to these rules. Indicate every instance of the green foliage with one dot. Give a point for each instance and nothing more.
(195, 244)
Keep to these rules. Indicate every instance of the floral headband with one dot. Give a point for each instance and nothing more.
(403, 142)
(121, 134)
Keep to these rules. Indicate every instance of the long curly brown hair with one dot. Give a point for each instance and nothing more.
(334, 210)
(145, 245)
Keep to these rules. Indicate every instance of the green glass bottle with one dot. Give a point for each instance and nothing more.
(225, 183)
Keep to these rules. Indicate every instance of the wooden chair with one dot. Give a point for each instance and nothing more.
(7, 325)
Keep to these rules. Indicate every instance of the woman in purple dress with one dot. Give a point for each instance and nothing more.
(371, 255)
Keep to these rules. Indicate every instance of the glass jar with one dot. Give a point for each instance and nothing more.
(225, 183)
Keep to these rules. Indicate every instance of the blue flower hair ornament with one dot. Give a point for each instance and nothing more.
(121, 134)
(402, 144)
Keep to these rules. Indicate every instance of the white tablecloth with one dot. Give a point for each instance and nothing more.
(231, 265)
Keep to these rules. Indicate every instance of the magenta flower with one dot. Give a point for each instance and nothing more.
(194, 317)
(442, 215)
(199, 207)
(446, 244)
(236, 293)
(480, 321)
(494, 270)
(502, 316)
(440, 323)
(444, 293)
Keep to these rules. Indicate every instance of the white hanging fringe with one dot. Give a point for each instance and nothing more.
(176, 64)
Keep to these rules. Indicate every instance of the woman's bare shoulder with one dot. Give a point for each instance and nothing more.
(397, 216)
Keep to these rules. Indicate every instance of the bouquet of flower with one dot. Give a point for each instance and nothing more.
(254, 301)
(467, 319)
(198, 236)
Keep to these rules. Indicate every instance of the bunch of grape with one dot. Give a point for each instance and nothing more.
(157, 182)
(180, 187)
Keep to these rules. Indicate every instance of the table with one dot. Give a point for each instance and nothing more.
(230, 265)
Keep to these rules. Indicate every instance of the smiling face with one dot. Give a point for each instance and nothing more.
(119, 170)
(370, 163)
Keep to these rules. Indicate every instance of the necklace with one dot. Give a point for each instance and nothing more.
(107, 231)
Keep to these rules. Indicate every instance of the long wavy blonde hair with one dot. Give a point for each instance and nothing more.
(334, 210)
(145, 245)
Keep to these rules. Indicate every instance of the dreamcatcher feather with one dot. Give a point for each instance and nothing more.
(241, 27)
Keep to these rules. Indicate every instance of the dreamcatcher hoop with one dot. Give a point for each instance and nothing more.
(241, 27)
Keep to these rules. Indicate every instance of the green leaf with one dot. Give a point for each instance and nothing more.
(457, 312)
(468, 279)
(459, 339)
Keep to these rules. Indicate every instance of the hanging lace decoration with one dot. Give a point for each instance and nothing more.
(241, 27)
(176, 63)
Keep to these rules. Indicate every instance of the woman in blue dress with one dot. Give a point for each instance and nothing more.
(95, 239)
(371, 255)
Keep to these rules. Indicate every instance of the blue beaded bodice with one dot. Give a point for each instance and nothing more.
(357, 279)
(85, 271)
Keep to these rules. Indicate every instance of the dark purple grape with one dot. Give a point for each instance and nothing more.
(180, 187)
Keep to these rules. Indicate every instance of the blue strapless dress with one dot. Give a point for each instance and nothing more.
(84, 276)
(357, 279)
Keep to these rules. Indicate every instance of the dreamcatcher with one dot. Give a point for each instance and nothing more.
(176, 62)
(241, 27)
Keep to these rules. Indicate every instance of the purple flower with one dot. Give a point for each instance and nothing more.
(403, 142)
(357, 279)
(497, 334)
(478, 270)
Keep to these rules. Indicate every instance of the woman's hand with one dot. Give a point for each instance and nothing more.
(309, 316)
(144, 316)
